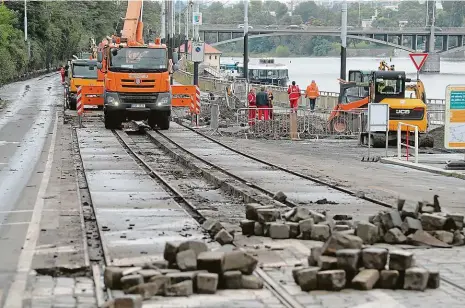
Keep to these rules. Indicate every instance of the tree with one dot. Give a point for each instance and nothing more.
(296, 20)
(282, 51)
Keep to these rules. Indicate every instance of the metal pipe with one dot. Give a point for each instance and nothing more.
(163, 20)
(246, 41)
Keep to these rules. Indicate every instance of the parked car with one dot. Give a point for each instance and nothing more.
(241, 26)
(271, 27)
(295, 27)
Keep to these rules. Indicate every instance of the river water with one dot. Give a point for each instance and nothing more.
(325, 72)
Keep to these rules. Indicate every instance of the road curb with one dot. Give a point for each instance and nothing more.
(422, 167)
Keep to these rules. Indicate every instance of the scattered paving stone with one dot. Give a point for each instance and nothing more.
(315, 254)
(432, 222)
(212, 226)
(367, 232)
(400, 260)
(247, 227)
(131, 280)
(366, 279)
(211, 261)
(267, 215)
(306, 278)
(251, 210)
(327, 263)
(147, 290)
(374, 258)
(458, 218)
(444, 236)
(251, 282)
(433, 279)
(160, 264)
(227, 248)
(184, 288)
(148, 273)
(131, 270)
(349, 259)
(224, 237)
(317, 217)
(449, 224)
(411, 225)
(127, 301)
(280, 196)
(293, 229)
(239, 260)
(279, 230)
(391, 219)
(168, 271)
(305, 227)
(171, 249)
(339, 228)
(196, 246)
(266, 229)
(186, 260)
(416, 279)
(348, 232)
(459, 238)
(289, 214)
(332, 280)
(301, 213)
(112, 277)
(295, 270)
(320, 232)
(341, 241)
(388, 279)
(174, 278)
(342, 217)
(258, 229)
(207, 283)
(232, 279)
(395, 236)
(424, 238)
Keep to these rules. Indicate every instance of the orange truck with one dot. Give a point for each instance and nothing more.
(137, 76)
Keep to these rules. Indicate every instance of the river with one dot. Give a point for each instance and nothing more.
(325, 72)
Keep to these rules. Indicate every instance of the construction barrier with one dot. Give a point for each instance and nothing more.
(92, 96)
(408, 142)
(181, 95)
(79, 105)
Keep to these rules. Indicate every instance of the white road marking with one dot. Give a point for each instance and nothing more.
(15, 295)
(16, 223)
(44, 210)
(60, 249)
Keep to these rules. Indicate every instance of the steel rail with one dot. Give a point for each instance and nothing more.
(285, 298)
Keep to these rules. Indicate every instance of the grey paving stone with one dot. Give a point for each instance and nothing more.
(65, 282)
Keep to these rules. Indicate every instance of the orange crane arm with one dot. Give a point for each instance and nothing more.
(132, 29)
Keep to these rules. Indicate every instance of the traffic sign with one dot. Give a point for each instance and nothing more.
(418, 59)
(197, 19)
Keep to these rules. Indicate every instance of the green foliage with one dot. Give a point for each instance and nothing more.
(282, 51)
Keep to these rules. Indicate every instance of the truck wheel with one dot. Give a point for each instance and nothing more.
(72, 105)
(110, 122)
(163, 122)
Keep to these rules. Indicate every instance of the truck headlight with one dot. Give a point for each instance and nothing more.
(164, 101)
(112, 99)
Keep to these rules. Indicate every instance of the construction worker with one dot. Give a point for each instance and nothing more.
(262, 104)
(270, 103)
(312, 93)
(62, 72)
(252, 99)
(294, 95)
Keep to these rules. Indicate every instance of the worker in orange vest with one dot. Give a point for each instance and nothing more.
(312, 94)
(251, 98)
(62, 72)
(294, 95)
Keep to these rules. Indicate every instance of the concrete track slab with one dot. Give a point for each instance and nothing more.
(134, 213)
(298, 190)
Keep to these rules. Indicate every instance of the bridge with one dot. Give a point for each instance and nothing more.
(408, 39)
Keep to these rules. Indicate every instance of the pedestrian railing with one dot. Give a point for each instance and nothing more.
(408, 141)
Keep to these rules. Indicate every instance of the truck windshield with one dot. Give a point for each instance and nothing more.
(134, 59)
(84, 71)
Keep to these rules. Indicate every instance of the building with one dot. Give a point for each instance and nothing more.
(211, 56)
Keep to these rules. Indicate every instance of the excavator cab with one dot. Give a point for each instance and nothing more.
(359, 76)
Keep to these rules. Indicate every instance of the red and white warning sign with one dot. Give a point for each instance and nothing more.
(418, 59)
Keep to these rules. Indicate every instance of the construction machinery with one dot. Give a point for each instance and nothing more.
(137, 76)
(84, 73)
(407, 104)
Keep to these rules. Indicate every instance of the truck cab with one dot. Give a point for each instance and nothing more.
(82, 72)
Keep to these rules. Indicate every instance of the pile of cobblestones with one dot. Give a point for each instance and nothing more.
(408, 224)
(188, 267)
(299, 222)
(342, 262)
(412, 223)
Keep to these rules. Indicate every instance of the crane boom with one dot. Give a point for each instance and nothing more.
(133, 26)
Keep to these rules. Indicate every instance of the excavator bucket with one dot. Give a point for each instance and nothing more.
(182, 95)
